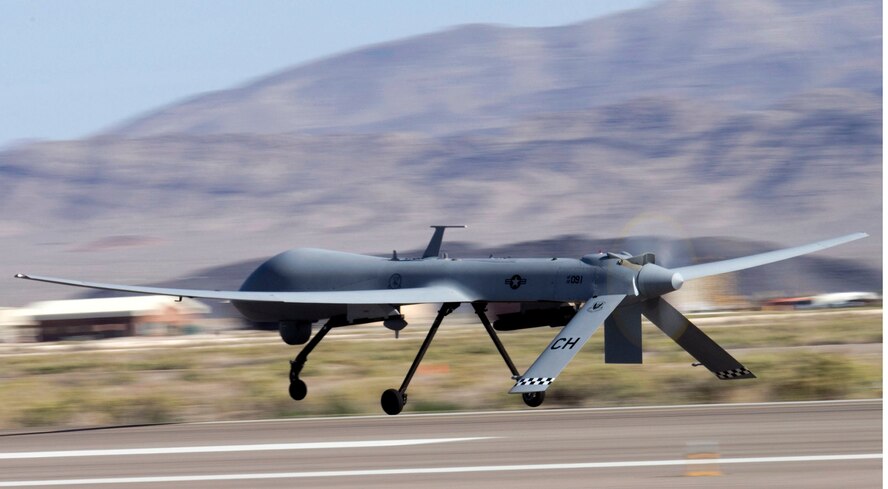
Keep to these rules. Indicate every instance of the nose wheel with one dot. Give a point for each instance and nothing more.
(298, 389)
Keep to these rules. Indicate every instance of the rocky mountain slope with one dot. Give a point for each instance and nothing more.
(759, 120)
(746, 54)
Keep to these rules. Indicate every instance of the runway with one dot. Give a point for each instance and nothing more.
(812, 445)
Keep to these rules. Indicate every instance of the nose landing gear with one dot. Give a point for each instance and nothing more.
(298, 389)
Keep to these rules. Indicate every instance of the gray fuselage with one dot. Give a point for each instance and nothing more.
(494, 279)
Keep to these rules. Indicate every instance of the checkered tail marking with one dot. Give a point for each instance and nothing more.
(735, 373)
(535, 381)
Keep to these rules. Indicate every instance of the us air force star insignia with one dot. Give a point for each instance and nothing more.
(596, 306)
(516, 281)
(395, 281)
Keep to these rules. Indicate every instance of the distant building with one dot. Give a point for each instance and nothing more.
(103, 318)
(12, 320)
(838, 299)
(846, 299)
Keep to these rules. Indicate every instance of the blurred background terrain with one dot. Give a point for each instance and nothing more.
(796, 356)
(758, 123)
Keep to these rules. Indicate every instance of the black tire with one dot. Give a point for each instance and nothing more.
(298, 390)
(392, 402)
(294, 333)
(534, 399)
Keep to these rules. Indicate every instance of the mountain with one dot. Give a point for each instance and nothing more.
(759, 120)
(746, 54)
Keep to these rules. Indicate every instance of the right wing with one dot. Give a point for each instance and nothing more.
(742, 263)
(432, 294)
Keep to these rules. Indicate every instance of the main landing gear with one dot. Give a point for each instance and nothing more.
(393, 400)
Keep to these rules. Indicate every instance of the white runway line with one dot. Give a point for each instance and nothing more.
(434, 470)
(550, 412)
(230, 448)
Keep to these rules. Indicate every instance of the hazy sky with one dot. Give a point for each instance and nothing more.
(71, 68)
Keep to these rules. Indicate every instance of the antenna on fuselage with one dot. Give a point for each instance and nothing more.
(434, 247)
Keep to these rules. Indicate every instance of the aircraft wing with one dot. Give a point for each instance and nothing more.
(419, 295)
(742, 263)
(567, 344)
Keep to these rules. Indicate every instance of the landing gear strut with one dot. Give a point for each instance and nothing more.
(480, 309)
(532, 399)
(298, 389)
(393, 400)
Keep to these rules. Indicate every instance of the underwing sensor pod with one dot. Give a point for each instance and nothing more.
(301, 287)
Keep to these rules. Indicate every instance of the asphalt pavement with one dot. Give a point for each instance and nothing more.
(806, 445)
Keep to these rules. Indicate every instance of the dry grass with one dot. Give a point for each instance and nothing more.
(462, 370)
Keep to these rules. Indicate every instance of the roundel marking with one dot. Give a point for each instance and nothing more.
(516, 281)
(395, 281)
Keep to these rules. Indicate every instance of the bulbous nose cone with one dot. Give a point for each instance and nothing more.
(654, 280)
(284, 271)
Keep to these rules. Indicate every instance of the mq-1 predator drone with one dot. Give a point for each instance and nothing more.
(302, 286)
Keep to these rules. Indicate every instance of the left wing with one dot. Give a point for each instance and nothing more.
(567, 344)
(419, 295)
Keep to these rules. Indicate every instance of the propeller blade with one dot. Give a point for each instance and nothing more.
(693, 340)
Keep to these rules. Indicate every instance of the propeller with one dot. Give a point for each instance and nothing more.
(645, 282)
(622, 329)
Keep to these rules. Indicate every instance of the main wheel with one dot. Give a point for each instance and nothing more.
(295, 333)
(534, 399)
(298, 390)
(392, 401)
